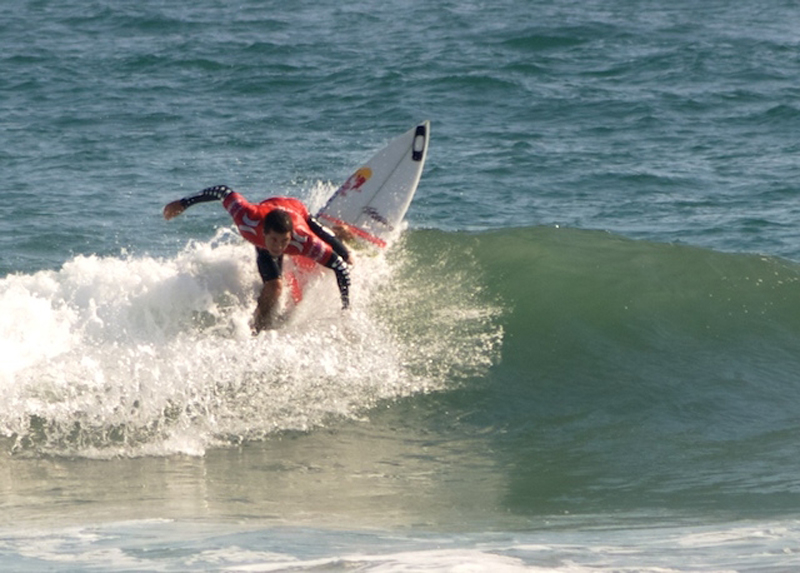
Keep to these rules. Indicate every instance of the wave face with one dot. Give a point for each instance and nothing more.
(583, 370)
(640, 374)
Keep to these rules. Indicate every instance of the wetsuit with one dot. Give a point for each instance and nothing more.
(309, 238)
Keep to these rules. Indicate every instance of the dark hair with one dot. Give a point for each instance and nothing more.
(278, 221)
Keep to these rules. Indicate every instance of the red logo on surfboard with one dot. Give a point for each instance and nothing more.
(355, 181)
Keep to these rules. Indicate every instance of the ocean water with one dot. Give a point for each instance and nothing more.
(582, 355)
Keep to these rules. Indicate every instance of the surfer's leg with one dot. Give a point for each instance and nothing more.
(269, 267)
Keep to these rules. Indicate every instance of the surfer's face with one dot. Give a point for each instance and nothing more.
(277, 242)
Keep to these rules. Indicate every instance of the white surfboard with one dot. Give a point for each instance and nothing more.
(371, 205)
(373, 201)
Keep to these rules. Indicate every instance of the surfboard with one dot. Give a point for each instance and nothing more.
(370, 206)
(373, 201)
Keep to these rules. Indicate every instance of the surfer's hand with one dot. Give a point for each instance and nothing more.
(343, 233)
(172, 210)
(349, 258)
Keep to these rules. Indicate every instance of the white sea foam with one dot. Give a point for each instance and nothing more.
(158, 545)
(138, 356)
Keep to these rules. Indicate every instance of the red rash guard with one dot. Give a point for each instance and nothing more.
(309, 238)
(249, 220)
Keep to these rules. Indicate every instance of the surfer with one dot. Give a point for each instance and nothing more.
(276, 226)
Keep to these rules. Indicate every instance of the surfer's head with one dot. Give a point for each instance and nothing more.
(278, 229)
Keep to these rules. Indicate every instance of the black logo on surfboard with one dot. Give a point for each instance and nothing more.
(373, 214)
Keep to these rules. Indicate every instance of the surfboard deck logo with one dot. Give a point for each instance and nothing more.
(376, 216)
(355, 181)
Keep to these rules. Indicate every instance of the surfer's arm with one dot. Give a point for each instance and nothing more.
(216, 193)
(342, 270)
(270, 268)
(328, 236)
(264, 316)
(339, 261)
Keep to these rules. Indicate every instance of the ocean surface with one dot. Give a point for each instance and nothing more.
(582, 354)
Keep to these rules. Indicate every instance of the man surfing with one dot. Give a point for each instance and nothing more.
(276, 226)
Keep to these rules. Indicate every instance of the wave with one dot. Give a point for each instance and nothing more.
(594, 300)
(588, 370)
(636, 373)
